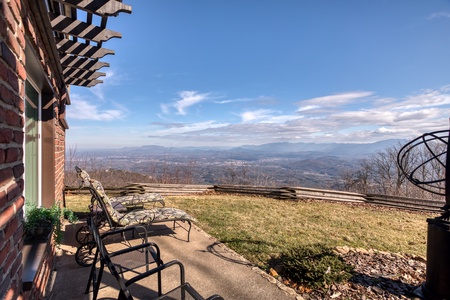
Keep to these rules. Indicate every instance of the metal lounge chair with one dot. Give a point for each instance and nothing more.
(127, 259)
(184, 291)
(121, 204)
(119, 218)
(127, 201)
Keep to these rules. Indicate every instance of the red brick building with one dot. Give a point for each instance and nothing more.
(44, 48)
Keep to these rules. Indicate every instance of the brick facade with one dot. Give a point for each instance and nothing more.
(12, 75)
(18, 30)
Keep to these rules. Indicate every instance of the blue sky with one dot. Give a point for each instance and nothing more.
(230, 73)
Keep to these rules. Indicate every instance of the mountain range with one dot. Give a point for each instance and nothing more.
(292, 164)
(285, 149)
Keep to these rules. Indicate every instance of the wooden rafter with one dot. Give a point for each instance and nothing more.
(66, 46)
(82, 74)
(82, 63)
(83, 82)
(79, 42)
(81, 29)
(98, 7)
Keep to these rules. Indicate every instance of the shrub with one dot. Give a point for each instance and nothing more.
(314, 266)
(39, 221)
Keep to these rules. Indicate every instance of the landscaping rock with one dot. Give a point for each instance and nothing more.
(378, 275)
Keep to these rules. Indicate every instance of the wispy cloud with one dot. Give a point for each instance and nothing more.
(307, 107)
(265, 116)
(232, 100)
(356, 117)
(439, 15)
(426, 98)
(346, 117)
(82, 109)
(181, 128)
(186, 100)
(332, 100)
(256, 115)
(111, 78)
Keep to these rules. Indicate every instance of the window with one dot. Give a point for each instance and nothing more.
(33, 192)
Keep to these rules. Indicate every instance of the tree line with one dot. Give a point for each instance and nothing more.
(382, 174)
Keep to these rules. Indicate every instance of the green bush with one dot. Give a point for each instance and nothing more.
(314, 266)
(39, 221)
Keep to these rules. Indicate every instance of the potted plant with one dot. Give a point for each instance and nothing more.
(40, 221)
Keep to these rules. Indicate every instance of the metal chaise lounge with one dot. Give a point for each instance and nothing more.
(127, 202)
(182, 291)
(119, 218)
(125, 259)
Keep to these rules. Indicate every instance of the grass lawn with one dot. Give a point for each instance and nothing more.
(261, 228)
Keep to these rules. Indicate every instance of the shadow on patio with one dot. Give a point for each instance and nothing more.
(211, 268)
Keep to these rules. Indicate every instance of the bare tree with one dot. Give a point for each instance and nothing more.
(381, 174)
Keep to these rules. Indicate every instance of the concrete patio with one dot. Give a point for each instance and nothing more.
(211, 268)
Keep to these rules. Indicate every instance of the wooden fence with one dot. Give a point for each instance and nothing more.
(141, 188)
(300, 193)
(283, 193)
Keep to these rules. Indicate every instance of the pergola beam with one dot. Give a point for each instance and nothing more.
(99, 7)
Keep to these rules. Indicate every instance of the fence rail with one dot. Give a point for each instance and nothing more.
(141, 188)
(282, 193)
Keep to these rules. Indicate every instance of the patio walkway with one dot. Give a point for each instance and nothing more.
(210, 267)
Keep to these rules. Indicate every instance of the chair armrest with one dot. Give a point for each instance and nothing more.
(134, 248)
(126, 229)
(146, 246)
(157, 270)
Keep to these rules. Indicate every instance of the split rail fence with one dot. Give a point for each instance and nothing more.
(282, 193)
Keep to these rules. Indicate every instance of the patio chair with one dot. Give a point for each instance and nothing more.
(184, 291)
(128, 202)
(119, 218)
(127, 259)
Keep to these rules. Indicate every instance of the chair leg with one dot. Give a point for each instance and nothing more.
(189, 231)
(92, 275)
(99, 280)
(159, 284)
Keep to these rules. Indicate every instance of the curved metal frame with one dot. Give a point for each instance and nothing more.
(439, 186)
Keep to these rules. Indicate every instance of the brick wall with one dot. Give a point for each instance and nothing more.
(60, 148)
(17, 24)
(12, 76)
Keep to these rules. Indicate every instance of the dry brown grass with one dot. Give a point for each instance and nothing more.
(261, 228)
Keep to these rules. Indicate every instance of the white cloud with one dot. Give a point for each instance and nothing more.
(187, 99)
(266, 116)
(329, 119)
(84, 110)
(111, 78)
(232, 100)
(255, 115)
(181, 128)
(332, 100)
(347, 117)
(307, 107)
(165, 109)
(427, 98)
(439, 15)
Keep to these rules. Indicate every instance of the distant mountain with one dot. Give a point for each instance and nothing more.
(290, 164)
(285, 149)
(333, 149)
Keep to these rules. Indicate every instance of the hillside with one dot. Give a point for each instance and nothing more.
(301, 164)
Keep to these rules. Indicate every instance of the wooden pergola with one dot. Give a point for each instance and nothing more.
(79, 39)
